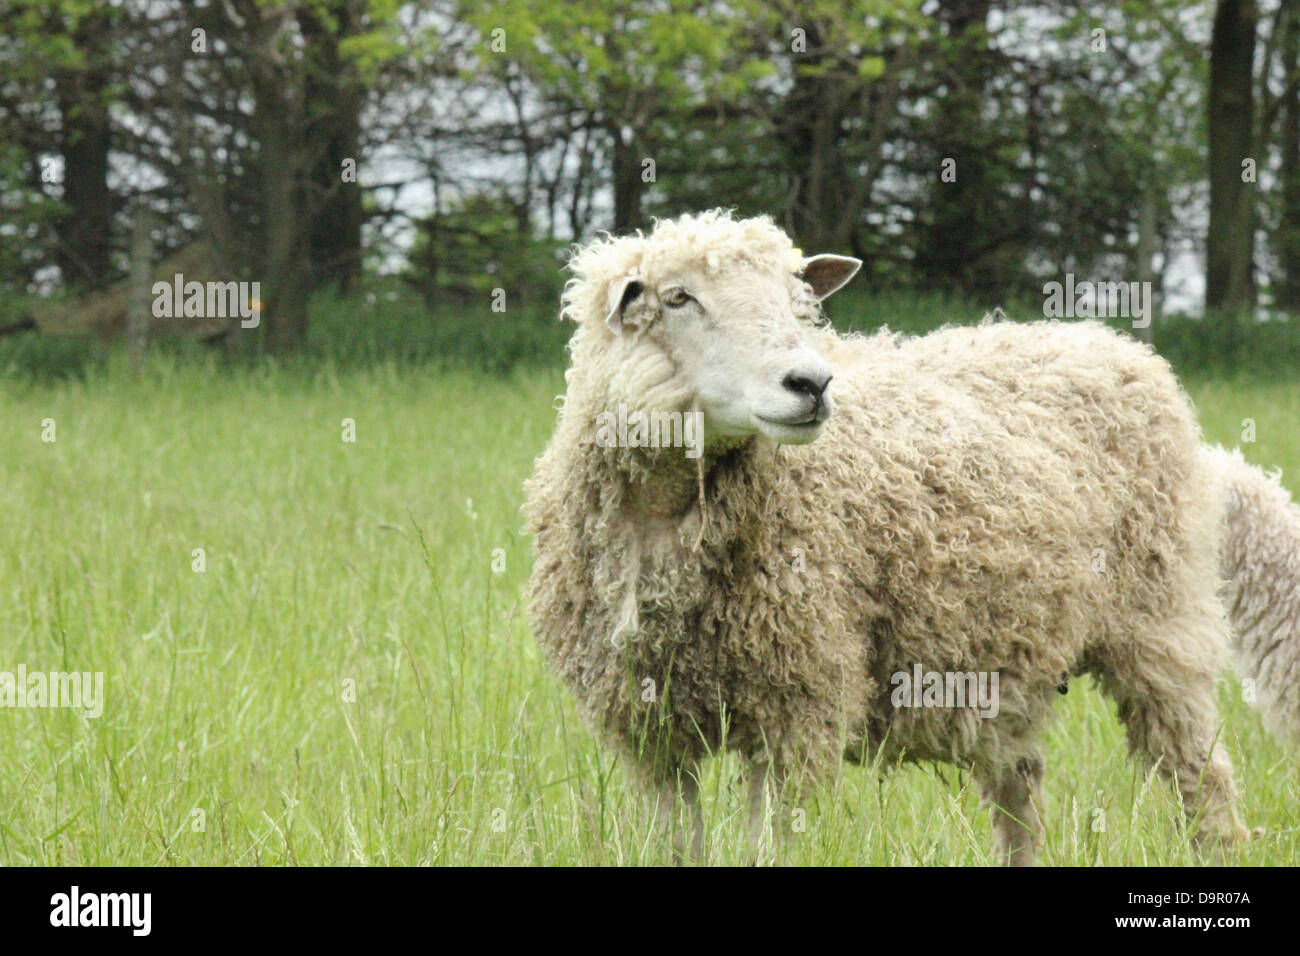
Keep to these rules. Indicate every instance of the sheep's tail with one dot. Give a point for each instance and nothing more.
(1259, 560)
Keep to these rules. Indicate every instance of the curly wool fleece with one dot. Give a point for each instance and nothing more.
(1028, 500)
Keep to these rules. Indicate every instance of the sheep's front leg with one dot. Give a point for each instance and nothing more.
(765, 784)
(1014, 793)
(686, 787)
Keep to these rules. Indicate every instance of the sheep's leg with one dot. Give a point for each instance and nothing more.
(766, 784)
(1175, 732)
(691, 794)
(1166, 698)
(1014, 794)
(758, 811)
(686, 788)
(762, 801)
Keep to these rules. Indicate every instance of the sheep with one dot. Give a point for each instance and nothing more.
(1260, 565)
(1016, 504)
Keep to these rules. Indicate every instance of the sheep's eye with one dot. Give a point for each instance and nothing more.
(677, 298)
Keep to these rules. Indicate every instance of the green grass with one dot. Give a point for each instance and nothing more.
(372, 563)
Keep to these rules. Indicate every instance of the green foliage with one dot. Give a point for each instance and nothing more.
(461, 255)
(606, 54)
(43, 45)
(379, 44)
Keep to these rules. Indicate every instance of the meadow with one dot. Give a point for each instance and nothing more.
(344, 673)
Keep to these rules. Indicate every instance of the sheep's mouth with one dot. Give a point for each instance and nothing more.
(787, 432)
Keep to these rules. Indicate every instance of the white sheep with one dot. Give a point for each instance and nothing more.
(999, 507)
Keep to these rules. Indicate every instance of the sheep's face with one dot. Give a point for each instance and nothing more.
(736, 346)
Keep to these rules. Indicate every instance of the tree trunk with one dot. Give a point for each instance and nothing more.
(832, 169)
(285, 211)
(948, 254)
(1229, 270)
(334, 96)
(812, 121)
(284, 164)
(1144, 253)
(1288, 238)
(84, 230)
(628, 186)
(287, 283)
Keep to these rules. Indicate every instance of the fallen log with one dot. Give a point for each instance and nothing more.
(104, 313)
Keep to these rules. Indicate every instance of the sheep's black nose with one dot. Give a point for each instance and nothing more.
(804, 385)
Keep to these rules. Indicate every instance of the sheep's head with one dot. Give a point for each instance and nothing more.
(709, 313)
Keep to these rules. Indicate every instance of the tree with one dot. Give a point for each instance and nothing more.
(250, 108)
(630, 68)
(84, 139)
(849, 64)
(960, 203)
(333, 97)
(1230, 243)
(59, 65)
(1287, 236)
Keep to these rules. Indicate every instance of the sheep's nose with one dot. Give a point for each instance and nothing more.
(814, 386)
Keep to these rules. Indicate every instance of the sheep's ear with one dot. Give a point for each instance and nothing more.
(827, 273)
(622, 293)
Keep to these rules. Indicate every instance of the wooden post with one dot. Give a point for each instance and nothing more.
(1145, 254)
(140, 308)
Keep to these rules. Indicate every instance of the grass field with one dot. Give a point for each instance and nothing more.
(352, 681)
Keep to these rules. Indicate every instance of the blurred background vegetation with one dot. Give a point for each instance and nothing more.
(389, 171)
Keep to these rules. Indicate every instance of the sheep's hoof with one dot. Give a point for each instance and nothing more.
(1217, 847)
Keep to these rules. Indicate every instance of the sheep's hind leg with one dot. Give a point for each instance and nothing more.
(1174, 730)
(1014, 794)
(683, 787)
